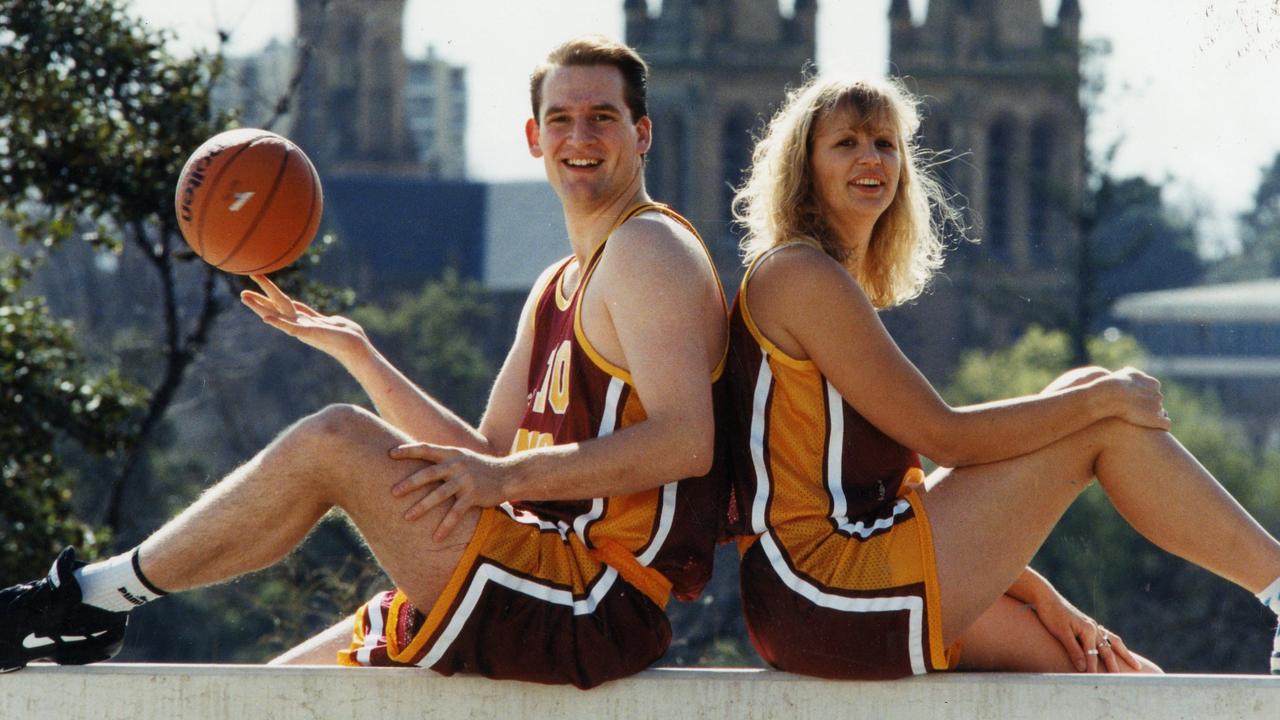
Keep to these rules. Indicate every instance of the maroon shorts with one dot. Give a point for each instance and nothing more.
(862, 605)
(522, 604)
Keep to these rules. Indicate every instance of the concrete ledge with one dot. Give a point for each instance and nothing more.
(241, 692)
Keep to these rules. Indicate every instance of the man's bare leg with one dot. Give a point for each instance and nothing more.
(264, 509)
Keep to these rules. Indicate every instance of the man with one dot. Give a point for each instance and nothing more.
(565, 583)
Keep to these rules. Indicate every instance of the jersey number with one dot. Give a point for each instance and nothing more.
(555, 383)
(529, 439)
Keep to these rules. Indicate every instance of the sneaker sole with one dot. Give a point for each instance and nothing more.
(74, 653)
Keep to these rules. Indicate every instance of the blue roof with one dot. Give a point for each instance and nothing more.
(403, 231)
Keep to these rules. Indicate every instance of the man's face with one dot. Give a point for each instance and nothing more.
(589, 144)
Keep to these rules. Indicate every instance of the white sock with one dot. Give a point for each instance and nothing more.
(1270, 596)
(116, 584)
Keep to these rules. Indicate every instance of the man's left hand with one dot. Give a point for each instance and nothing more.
(471, 479)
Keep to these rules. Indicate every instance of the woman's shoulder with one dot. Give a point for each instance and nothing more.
(795, 265)
(789, 291)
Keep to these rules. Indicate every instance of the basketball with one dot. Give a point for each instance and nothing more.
(248, 201)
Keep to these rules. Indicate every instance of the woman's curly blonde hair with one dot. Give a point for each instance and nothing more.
(777, 203)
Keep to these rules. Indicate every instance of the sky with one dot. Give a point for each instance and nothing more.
(1191, 96)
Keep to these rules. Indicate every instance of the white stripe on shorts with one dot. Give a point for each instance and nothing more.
(911, 603)
(373, 636)
(486, 574)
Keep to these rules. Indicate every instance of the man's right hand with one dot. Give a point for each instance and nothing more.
(334, 335)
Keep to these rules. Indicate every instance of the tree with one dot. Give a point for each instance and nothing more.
(51, 399)
(1131, 241)
(1167, 609)
(1137, 242)
(1259, 255)
(436, 337)
(96, 120)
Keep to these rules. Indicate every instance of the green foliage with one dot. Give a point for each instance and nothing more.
(97, 118)
(1180, 616)
(1030, 364)
(436, 338)
(96, 121)
(50, 398)
(1259, 255)
(1138, 243)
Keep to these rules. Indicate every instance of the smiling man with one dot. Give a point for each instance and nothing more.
(542, 545)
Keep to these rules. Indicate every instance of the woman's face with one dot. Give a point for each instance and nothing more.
(855, 168)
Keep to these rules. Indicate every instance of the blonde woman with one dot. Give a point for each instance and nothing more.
(854, 565)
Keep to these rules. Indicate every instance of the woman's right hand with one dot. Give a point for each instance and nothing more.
(1138, 398)
(334, 335)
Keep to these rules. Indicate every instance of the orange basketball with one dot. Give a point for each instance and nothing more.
(248, 201)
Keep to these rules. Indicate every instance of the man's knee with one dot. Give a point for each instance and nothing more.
(342, 424)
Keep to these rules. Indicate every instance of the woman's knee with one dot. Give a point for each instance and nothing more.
(1076, 376)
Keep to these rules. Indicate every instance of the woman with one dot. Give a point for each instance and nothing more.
(854, 565)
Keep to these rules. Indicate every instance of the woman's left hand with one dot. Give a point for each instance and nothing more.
(1091, 647)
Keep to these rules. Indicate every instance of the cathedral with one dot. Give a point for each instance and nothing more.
(1002, 107)
(1003, 126)
(718, 70)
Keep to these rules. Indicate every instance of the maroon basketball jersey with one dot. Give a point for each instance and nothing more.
(575, 394)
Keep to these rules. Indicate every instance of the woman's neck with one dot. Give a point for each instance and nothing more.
(853, 238)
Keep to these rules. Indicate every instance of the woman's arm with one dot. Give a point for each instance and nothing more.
(811, 308)
(1081, 636)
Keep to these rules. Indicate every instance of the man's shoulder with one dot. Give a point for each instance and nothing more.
(653, 236)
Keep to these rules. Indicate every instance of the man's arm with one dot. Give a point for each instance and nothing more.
(659, 296)
(398, 399)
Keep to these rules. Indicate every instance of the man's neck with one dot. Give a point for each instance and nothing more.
(588, 227)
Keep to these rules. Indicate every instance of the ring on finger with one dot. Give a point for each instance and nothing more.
(1093, 651)
(1105, 642)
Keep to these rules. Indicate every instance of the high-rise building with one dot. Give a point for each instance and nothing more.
(719, 68)
(255, 85)
(350, 111)
(361, 107)
(1002, 100)
(436, 100)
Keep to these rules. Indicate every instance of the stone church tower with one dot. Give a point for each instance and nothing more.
(350, 111)
(1002, 97)
(719, 69)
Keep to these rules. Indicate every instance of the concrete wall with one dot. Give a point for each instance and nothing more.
(196, 692)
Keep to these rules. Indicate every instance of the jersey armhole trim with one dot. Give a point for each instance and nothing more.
(770, 349)
(541, 289)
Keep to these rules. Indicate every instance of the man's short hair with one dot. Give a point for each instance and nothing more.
(597, 50)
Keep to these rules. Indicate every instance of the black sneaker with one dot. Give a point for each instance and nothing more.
(46, 620)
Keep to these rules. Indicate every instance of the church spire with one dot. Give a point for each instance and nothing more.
(1069, 21)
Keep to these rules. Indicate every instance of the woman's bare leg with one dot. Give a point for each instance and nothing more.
(320, 649)
(989, 520)
(1009, 636)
